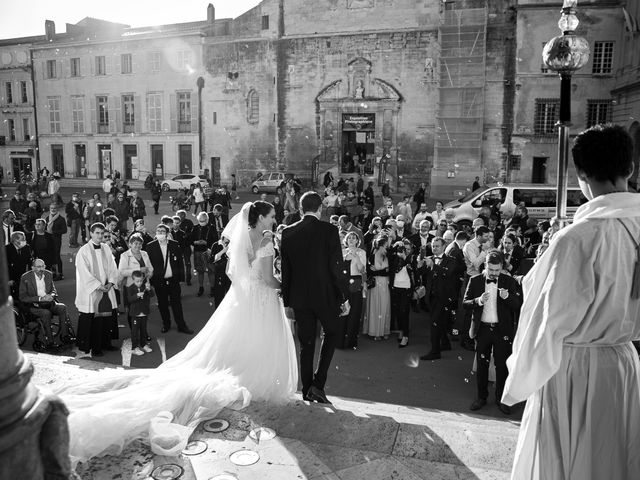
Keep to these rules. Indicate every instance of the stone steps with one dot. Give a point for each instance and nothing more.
(351, 439)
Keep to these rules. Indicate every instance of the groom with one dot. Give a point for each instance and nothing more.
(314, 286)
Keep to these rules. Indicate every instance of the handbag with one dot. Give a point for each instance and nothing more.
(104, 308)
(419, 292)
(371, 282)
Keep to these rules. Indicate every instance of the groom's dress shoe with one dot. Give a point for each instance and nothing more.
(316, 395)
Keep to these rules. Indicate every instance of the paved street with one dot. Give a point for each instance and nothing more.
(377, 371)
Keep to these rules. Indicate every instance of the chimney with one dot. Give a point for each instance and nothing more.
(50, 30)
(211, 13)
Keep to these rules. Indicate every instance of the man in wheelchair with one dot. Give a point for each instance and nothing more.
(38, 297)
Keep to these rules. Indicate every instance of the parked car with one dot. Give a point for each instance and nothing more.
(183, 181)
(270, 182)
(540, 200)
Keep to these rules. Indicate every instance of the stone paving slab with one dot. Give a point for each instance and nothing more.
(350, 440)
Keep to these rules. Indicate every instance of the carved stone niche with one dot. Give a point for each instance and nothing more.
(359, 76)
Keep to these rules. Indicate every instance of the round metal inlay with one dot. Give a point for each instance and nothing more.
(216, 425)
(195, 448)
(243, 458)
(225, 476)
(168, 471)
(262, 433)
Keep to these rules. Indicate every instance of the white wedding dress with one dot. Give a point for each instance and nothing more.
(245, 352)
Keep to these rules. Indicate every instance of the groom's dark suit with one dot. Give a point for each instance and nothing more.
(314, 285)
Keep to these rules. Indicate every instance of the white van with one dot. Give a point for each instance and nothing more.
(540, 200)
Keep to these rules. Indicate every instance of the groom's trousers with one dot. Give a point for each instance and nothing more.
(307, 326)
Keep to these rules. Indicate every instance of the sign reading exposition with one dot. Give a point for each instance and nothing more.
(363, 122)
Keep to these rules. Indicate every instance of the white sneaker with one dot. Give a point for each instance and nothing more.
(137, 351)
(147, 349)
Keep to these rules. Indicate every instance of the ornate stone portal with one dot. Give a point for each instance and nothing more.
(357, 124)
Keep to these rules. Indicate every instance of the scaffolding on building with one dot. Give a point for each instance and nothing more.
(460, 113)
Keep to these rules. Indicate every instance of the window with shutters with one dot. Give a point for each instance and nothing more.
(8, 92)
(184, 112)
(154, 62)
(126, 63)
(546, 116)
(103, 113)
(51, 69)
(598, 111)
(11, 128)
(184, 59)
(101, 65)
(75, 67)
(253, 107)
(154, 111)
(77, 113)
(26, 131)
(602, 57)
(54, 114)
(128, 114)
(23, 92)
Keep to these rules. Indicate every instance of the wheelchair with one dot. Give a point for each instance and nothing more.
(27, 323)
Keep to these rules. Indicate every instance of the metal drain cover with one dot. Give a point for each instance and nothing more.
(168, 471)
(216, 425)
(244, 458)
(195, 448)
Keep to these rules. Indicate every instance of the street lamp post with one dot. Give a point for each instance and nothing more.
(565, 54)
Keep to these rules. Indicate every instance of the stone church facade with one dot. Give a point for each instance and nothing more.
(404, 90)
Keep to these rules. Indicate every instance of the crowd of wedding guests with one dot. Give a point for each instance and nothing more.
(399, 257)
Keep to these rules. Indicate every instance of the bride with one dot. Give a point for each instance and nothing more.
(245, 352)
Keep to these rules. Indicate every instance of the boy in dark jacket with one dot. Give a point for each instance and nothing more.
(138, 297)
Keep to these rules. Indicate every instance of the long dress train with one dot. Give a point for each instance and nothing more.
(246, 351)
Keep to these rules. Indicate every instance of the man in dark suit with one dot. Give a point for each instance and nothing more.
(422, 239)
(455, 250)
(41, 243)
(18, 260)
(38, 293)
(440, 278)
(315, 287)
(9, 225)
(494, 299)
(186, 225)
(168, 272)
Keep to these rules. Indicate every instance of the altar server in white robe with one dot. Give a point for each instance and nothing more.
(96, 274)
(573, 360)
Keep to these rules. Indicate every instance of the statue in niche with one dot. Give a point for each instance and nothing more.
(359, 93)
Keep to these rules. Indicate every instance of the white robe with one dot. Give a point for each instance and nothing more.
(88, 280)
(572, 359)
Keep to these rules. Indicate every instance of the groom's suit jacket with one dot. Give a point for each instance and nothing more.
(312, 265)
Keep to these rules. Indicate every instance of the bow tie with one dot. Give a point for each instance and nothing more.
(492, 281)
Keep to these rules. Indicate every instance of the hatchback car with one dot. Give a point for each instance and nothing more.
(270, 182)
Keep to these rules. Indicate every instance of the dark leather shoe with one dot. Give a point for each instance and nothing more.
(186, 330)
(200, 292)
(316, 395)
(478, 404)
(164, 329)
(506, 409)
(403, 344)
(431, 356)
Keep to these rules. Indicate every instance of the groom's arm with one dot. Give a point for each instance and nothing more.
(340, 279)
(285, 266)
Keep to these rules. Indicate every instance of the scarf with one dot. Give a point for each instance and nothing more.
(52, 218)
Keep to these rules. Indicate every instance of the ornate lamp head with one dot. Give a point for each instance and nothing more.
(567, 52)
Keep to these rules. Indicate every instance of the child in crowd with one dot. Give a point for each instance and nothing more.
(138, 296)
